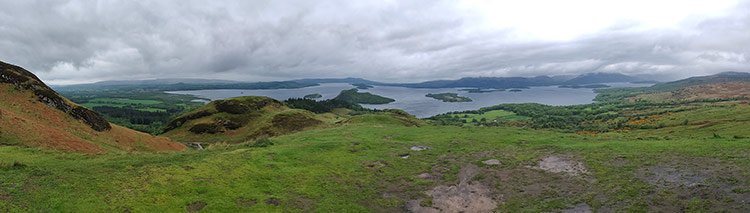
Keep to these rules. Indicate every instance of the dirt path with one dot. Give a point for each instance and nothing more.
(467, 196)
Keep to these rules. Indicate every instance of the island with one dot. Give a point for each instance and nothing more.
(478, 90)
(313, 96)
(449, 97)
(361, 86)
(353, 96)
(590, 86)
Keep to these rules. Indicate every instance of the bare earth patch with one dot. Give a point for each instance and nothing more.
(245, 202)
(556, 164)
(668, 176)
(272, 201)
(197, 206)
(6, 197)
(697, 179)
(467, 196)
(580, 208)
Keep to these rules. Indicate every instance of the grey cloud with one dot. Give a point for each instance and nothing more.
(402, 41)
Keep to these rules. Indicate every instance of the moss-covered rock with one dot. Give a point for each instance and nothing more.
(90, 118)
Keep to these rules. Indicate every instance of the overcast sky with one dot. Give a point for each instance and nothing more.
(66, 42)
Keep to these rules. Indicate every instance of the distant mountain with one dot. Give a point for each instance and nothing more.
(34, 115)
(522, 82)
(596, 78)
(562, 77)
(486, 83)
(337, 80)
(709, 79)
(159, 81)
(184, 84)
(468, 82)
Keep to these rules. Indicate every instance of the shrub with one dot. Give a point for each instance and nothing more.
(265, 142)
(206, 128)
(232, 106)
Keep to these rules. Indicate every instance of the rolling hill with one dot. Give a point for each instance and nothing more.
(642, 156)
(243, 119)
(595, 78)
(34, 115)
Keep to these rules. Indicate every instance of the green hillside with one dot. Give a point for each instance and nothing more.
(642, 154)
(371, 166)
(243, 119)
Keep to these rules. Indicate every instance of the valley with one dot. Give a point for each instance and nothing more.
(635, 149)
(375, 106)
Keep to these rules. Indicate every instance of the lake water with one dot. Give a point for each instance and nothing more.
(414, 101)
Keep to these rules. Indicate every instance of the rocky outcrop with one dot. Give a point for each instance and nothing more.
(25, 80)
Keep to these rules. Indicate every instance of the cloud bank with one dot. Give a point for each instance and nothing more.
(73, 41)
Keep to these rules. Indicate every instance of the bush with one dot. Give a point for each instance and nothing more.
(232, 106)
(206, 128)
(13, 166)
(265, 142)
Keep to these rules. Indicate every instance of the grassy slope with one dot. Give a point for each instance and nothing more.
(28, 122)
(500, 115)
(258, 123)
(728, 119)
(329, 170)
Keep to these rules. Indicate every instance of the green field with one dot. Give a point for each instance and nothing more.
(124, 101)
(360, 168)
(142, 110)
(490, 116)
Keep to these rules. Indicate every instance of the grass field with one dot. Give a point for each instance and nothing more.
(499, 115)
(143, 110)
(368, 166)
(124, 101)
(142, 105)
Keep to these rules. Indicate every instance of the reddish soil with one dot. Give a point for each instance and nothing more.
(35, 124)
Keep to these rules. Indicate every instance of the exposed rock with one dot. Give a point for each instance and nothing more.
(464, 197)
(580, 208)
(557, 164)
(90, 118)
(418, 148)
(492, 162)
